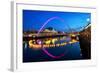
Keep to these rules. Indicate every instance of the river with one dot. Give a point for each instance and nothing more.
(71, 52)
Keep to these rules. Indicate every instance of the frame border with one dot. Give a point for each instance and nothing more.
(14, 29)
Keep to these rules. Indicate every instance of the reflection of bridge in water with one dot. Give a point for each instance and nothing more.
(50, 40)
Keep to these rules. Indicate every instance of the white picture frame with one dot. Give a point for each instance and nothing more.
(16, 51)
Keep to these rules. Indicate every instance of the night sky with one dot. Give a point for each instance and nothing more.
(33, 20)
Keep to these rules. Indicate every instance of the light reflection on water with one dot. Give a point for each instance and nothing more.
(72, 52)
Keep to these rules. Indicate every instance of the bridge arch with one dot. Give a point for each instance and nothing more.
(45, 23)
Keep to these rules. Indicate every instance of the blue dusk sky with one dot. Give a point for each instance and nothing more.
(34, 20)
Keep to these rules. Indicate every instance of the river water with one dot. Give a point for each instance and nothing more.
(71, 52)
